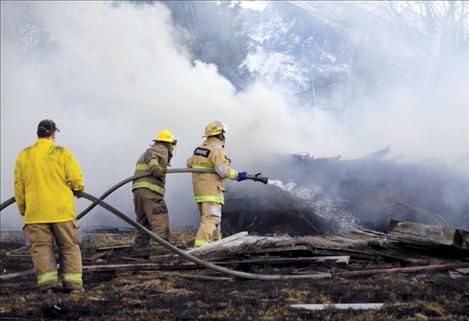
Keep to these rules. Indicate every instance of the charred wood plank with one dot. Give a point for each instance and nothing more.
(339, 306)
(410, 269)
(423, 232)
(185, 276)
(287, 260)
(430, 236)
(115, 247)
(218, 244)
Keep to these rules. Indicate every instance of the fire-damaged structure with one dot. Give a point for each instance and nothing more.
(293, 234)
(325, 195)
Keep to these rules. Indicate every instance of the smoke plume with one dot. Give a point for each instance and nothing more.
(111, 75)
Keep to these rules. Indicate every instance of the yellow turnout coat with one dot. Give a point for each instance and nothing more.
(45, 177)
(210, 187)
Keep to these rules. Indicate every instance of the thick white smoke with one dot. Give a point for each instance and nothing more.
(112, 76)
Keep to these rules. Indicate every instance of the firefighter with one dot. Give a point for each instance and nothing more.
(209, 187)
(46, 178)
(150, 207)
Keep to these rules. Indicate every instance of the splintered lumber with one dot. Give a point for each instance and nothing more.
(297, 247)
(129, 267)
(9, 276)
(251, 243)
(289, 260)
(275, 260)
(121, 267)
(151, 266)
(215, 245)
(429, 234)
(339, 306)
(462, 271)
(115, 247)
(410, 269)
(186, 276)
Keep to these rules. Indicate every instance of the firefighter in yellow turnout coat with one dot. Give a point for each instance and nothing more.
(46, 177)
(209, 187)
(150, 207)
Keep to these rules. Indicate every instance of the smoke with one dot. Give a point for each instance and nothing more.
(114, 74)
(408, 85)
(370, 191)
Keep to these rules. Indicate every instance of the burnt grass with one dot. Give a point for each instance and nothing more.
(150, 295)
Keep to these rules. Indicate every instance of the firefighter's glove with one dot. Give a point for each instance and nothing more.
(77, 194)
(242, 176)
(158, 172)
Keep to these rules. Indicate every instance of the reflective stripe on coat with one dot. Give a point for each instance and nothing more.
(209, 187)
(155, 158)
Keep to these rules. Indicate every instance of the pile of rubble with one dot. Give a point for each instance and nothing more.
(407, 247)
(123, 282)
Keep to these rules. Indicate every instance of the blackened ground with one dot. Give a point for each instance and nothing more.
(152, 296)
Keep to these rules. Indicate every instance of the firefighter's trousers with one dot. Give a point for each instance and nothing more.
(42, 251)
(151, 212)
(210, 219)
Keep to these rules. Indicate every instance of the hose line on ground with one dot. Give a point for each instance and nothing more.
(238, 274)
(194, 259)
(166, 244)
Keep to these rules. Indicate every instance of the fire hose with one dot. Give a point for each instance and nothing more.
(99, 201)
(257, 178)
(168, 245)
(238, 274)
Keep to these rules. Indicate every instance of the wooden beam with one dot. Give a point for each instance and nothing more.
(213, 246)
(339, 306)
(288, 260)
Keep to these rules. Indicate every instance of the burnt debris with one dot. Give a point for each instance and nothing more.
(327, 195)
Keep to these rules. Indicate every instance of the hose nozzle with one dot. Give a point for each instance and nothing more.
(258, 178)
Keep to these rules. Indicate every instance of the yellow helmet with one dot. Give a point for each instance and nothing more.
(165, 136)
(215, 128)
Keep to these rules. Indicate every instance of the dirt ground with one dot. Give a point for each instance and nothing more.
(151, 295)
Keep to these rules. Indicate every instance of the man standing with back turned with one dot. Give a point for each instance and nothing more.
(149, 191)
(46, 178)
(209, 187)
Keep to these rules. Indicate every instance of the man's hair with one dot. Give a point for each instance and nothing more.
(46, 128)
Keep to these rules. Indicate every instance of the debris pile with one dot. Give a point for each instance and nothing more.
(318, 196)
(139, 283)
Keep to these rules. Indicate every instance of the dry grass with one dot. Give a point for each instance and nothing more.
(154, 295)
(109, 239)
(181, 239)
